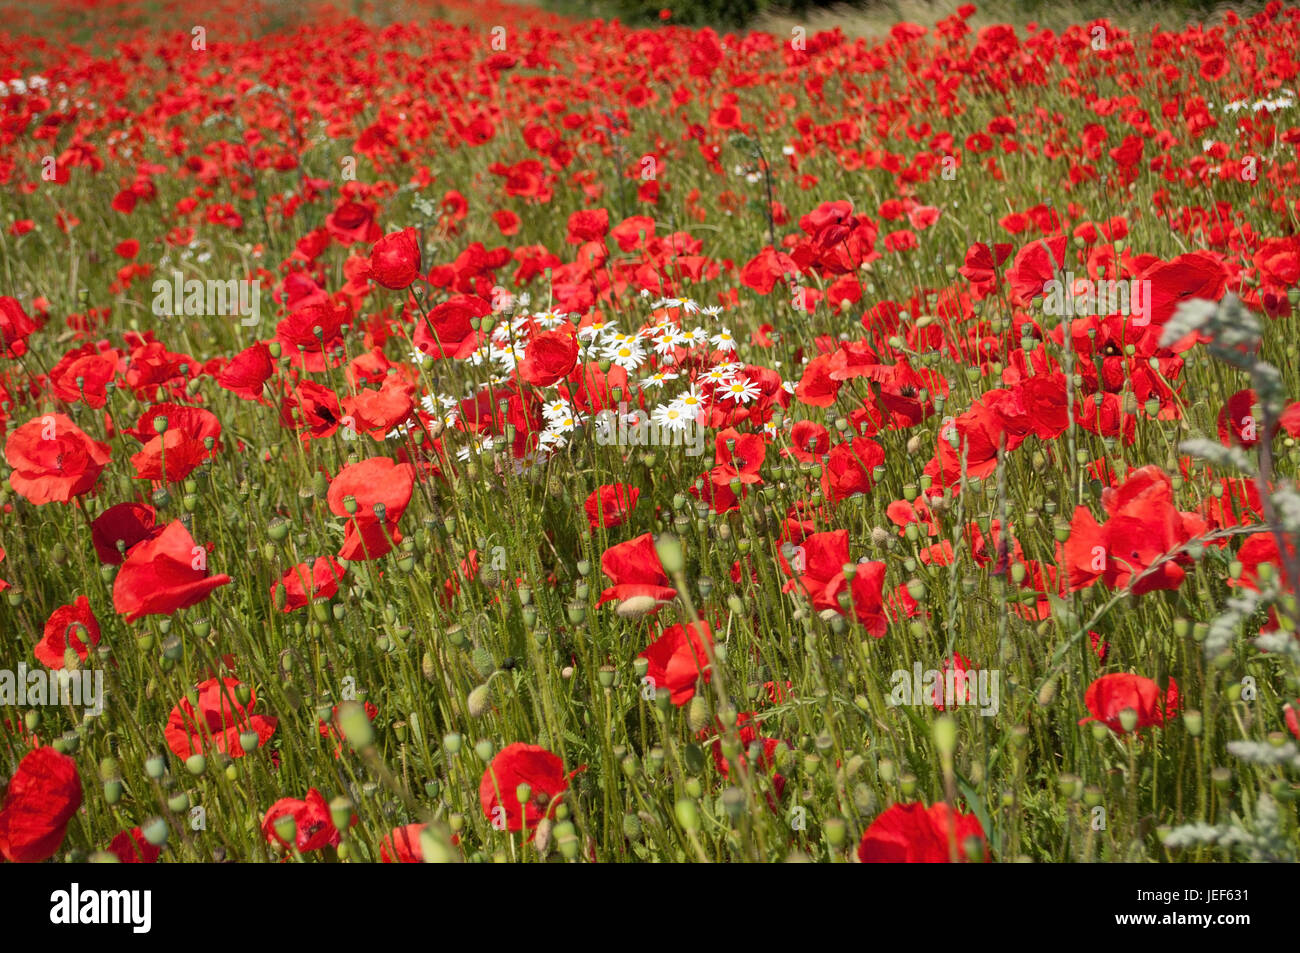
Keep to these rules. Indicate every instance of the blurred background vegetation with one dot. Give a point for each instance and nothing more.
(874, 17)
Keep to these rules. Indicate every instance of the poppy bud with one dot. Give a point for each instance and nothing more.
(479, 701)
(355, 725)
(155, 766)
(697, 714)
(154, 831)
(669, 549)
(1047, 694)
(196, 764)
(484, 750)
(688, 815)
(907, 784)
(566, 839)
(1193, 720)
(633, 607)
(1128, 719)
(945, 736)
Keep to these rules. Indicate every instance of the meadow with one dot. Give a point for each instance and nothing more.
(457, 432)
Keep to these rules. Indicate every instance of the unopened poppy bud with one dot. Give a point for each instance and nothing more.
(286, 828)
(688, 814)
(836, 831)
(178, 803)
(1193, 720)
(479, 701)
(484, 750)
(945, 736)
(566, 838)
(1047, 694)
(669, 549)
(196, 764)
(355, 725)
(112, 792)
(907, 784)
(154, 831)
(697, 714)
(633, 607)
(1128, 719)
(155, 766)
(1222, 778)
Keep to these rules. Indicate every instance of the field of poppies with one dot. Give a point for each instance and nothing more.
(451, 432)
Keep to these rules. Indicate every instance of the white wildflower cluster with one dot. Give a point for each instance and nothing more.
(659, 341)
(17, 87)
(1285, 100)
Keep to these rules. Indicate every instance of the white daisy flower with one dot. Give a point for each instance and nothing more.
(670, 417)
(627, 356)
(717, 375)
(658, 379)
(690, 400)
(692, 337)
(594, 330)
(742, 390)
(723, 340)
(665, 342)
(555, 409)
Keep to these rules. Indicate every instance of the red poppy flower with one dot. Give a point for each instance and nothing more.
(377, 412)
(53, 460)
(42, 796)
(164, 575)
(635, 569)
(915, 834)
(588, 225)
(402, 845)
(353, 222)
(739, 456)
(447, 331)
(677, 658)
(549, 357)
(850, 468)
(514, 765)
(1109, 695)
(304, 584)
(216, 723)
(15, 327)
(1237, 424)
(611, 504)
(247, 372)
(125, 523)
(74, 627)
(130, 847)
(395, 259)
(1143, 528)
(313, 826)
